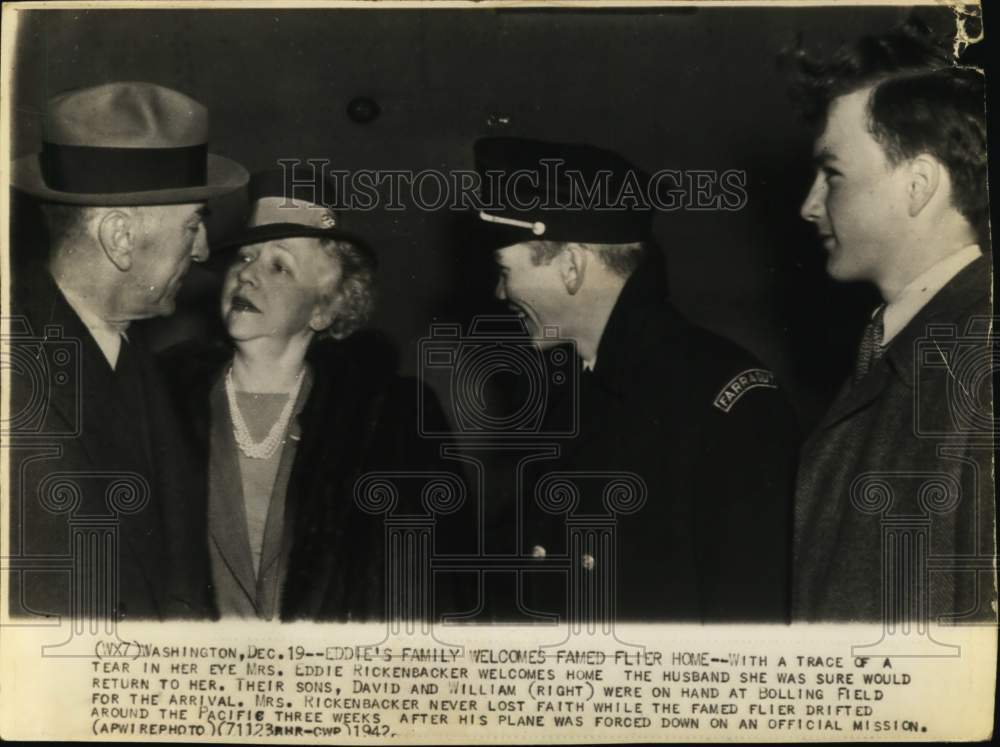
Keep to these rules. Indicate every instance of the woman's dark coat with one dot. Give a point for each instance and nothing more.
(359, 417)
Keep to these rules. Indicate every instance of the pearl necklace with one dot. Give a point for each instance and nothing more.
(264, 449)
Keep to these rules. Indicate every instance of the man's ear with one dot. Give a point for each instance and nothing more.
(924, 176)
(573, 266)
(116, 232)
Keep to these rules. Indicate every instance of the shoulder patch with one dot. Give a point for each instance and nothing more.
(742, 383)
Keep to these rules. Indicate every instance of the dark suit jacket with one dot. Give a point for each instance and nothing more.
(359, 417)
(715, 453)
(98, 453)
(905, 453)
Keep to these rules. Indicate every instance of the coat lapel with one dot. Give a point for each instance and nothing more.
(854, 397)
(146, 530)
(333, 422)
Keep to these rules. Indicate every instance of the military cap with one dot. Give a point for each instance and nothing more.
(533, 190)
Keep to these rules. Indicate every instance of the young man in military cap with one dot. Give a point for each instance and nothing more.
(100, 487)
(694, 424)
(896, 480)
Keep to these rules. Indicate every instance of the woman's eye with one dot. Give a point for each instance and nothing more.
(278, 267)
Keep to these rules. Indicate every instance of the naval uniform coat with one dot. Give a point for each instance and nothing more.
(904, 455)
(704, 428)
(358, 416)
(97, 452)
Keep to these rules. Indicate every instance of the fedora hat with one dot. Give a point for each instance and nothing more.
(128, 143)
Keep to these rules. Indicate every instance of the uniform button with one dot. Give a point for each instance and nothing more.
(538, 551)
(588, 562)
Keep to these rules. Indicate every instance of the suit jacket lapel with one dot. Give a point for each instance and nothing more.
(856, 396)
(226, 515)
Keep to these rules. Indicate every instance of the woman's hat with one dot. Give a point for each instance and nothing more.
(295, 193)
(125, 144)
(287, 204)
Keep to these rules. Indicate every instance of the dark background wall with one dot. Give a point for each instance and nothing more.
(669, 88)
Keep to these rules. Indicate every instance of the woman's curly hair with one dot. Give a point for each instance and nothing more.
(354, 294)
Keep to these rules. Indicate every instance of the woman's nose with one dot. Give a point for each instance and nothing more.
(247, 272)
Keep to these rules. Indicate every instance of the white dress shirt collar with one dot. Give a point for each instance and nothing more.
(922, 289)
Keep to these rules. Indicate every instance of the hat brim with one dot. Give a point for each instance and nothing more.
(222, 250)
(224, 176)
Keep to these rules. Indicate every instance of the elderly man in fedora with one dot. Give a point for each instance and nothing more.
(101, 494)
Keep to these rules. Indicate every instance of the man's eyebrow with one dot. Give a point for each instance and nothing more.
(202, 213)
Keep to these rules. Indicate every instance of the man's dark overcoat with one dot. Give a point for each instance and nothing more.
(897, 479)
(711, 440)
(103, 494)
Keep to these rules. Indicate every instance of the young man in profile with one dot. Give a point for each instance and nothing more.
(894, 498)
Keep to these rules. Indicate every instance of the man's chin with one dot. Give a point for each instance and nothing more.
(166, 307)
(837, 269)
(840, 273)
(161, 309)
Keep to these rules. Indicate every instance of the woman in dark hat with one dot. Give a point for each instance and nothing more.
(289, 413)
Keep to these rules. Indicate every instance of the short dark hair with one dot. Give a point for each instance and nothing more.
(941, 113)
(65, 223)
(815, 82)
(621, 259)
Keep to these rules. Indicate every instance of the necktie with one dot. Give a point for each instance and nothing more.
(870, 349)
